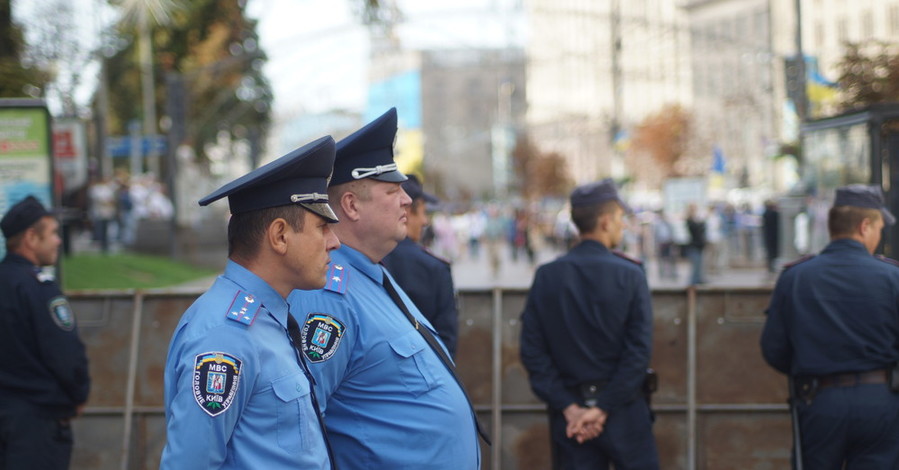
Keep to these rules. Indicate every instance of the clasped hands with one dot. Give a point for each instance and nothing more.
(584, 423)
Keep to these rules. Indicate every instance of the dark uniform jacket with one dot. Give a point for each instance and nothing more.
(588, 318)
(836, 312)
(428, 281)
(44, 362)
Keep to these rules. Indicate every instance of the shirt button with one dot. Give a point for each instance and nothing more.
(299, 388)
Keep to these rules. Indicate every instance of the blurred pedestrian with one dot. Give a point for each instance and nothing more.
(714, 237)
(238, 394)
(102, 210)
(586, 341)
(44, 380)
(832, 327)
(663, 235)
(771, 229)
(696, 245)
(425, 277)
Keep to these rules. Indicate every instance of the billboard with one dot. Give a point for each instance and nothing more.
(70, 153)
(26, 162)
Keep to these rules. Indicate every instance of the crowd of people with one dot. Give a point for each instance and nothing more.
(711, 239)
(117, 205)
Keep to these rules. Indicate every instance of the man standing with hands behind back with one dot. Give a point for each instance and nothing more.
(44, 378)
(391, 398)
(586, 341)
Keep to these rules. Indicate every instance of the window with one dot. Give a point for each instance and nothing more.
(894, 20)
(867, 25)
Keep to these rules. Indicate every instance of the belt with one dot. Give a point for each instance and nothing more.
(850, 379)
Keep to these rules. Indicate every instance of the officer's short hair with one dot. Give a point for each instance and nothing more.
(361, 188)
(247, 229)
(13, 242)
(843, 220)
(586, 216)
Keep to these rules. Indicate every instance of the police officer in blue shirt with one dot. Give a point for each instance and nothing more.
(44, 378)
(237, 392)
(833, 326)
(391, 397)
(425, 277)
(586, 340)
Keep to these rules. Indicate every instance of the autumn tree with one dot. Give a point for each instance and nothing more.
(539, 174)
(869, 74)
(664, 136)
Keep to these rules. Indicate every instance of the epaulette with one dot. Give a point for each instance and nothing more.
(439, 258)
(887, 260)
(796, 261)
(43, 276)
(337, 279)
(244, 308)
(623, 255)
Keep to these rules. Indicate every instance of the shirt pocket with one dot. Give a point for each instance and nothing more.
(297, 424)
(414, 364)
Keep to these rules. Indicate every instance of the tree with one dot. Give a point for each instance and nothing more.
(665, 137)
(539, 174)
(19, 79)
(869, 73)
(56, 47)
(209, 53)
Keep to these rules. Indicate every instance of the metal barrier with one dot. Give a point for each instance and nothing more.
(718, 405)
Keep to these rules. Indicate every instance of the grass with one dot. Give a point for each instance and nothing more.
(124, 271)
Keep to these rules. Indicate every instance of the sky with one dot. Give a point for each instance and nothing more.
(318, 50)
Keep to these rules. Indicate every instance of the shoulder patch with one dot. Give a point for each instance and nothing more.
(244, 308)
(216, 379)
(623, 255)
(887, 260)
(321, 336)
(337, 279)
(799, 260)
(61, 313)
(439, 258)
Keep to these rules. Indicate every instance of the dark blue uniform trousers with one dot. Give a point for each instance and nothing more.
(626, 441)
(34, 442)
(858, 425)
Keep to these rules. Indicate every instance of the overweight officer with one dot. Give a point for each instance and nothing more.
(424, 276)
(833, 326)
(44, 378)
(390, 400)
(237, 392)
(586, 340)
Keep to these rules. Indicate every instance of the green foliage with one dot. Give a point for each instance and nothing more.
(126, 271)
(17, 77)
(869, 74)
(213, 49)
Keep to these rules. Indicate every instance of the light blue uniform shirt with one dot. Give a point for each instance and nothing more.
(389, 401)
(235, 396)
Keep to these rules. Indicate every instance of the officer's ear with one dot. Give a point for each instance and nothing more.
(276, 235)
(349, 204)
